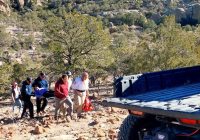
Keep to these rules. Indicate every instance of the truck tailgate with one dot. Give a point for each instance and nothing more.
(179, 102)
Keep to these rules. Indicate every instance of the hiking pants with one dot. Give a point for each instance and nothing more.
(79, 100)
(59, 102)
(27, 104)
(38, 104)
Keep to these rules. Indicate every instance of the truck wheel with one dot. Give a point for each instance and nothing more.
(127, 130)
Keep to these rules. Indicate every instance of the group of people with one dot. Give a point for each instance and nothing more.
(40, 88)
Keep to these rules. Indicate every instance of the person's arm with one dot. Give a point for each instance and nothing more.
(28, 89)
(73, 86)
(69, 84)
(36, 88)
(87, 87)
(35, 83)
(19, 90)
(13, 96)
(57, 89)
(47, 85)
(87, 93)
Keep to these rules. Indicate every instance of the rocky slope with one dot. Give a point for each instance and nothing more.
(101, 124)
(4, 7)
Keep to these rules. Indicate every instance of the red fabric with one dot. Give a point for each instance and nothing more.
(87, 106)
(61, 89)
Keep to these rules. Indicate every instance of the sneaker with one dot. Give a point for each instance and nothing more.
(80, 116)
(31, 117)
(68, 119)
(73, 117)
(26, 114)
(43, 112)
(38, 114)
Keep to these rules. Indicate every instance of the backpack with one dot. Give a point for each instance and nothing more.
(87, 106)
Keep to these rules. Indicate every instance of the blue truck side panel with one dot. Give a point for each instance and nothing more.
(155, 81)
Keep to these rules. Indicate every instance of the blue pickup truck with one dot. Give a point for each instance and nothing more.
(163, 105)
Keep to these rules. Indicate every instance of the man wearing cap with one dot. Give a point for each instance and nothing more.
(40, 85)
(26, 91)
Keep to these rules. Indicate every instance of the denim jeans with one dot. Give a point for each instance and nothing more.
(17, 103)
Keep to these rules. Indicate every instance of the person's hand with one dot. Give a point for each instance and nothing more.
(36, 88)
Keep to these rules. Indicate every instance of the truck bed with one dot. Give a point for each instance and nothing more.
(179, 102)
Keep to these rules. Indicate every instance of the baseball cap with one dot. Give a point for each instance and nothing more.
(69, 73)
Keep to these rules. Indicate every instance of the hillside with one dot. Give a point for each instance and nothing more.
(101, 123)
(115, 37)
(106, 38)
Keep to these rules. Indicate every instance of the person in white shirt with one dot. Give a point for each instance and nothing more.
(69, 74)
(81, 90)
(16, 96)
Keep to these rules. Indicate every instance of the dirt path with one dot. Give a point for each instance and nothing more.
(102, 124)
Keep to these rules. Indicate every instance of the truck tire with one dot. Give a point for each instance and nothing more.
(126, 131)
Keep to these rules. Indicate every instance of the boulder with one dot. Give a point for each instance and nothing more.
(190, 14)
(112, 134)
(111, 120)
(95, 96)
(95, 122)
(101, 133)
(170, 3)
(196, 12)
(113, 29)
(4, 7)
(39, 129)
(82, 138)
(38, 3)
(180, 14)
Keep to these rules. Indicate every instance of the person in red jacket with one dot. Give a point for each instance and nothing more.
(61, 95)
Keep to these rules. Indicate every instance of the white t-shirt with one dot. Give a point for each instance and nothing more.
(17, 92)
(69, 83)
(80, 85)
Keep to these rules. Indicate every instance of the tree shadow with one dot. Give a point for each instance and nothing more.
(4, 96)
(7, 121)
(3, 104)
(14, 120)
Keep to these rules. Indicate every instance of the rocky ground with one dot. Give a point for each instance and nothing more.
(101, 124)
